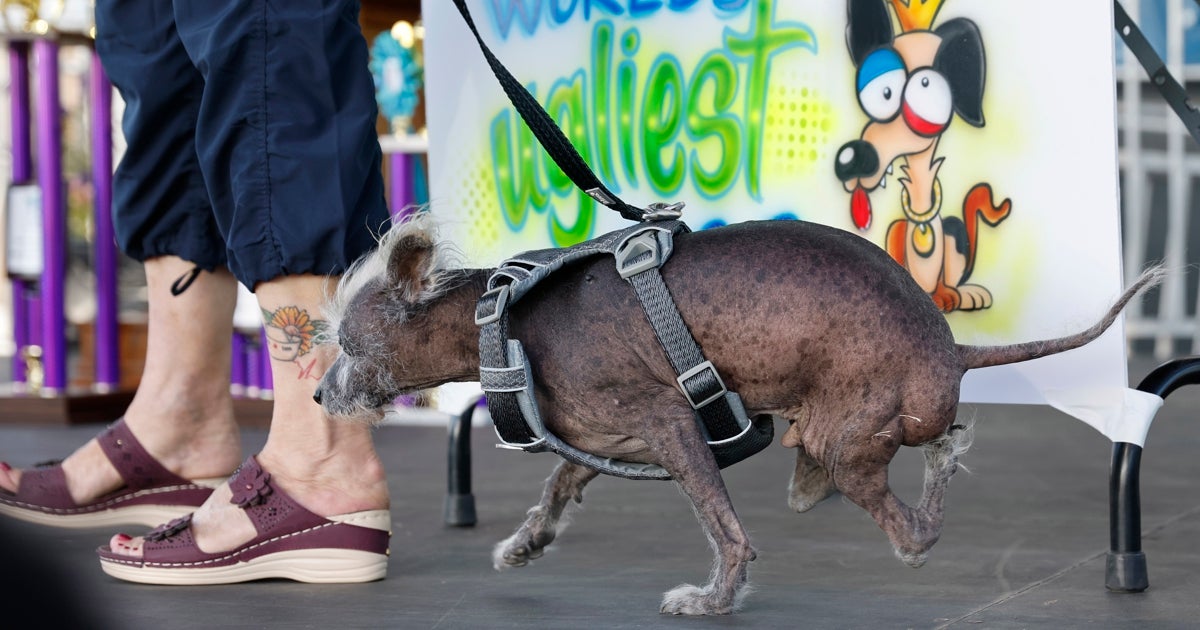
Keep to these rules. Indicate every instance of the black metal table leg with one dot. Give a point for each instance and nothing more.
(1125, 570)
(459, 509)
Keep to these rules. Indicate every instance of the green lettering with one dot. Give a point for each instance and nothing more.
(515, 172)
(757, 46)
(662, 109)
(626, 88)
(566, 106)
(722, 126)
(585, 223)
(602, 51)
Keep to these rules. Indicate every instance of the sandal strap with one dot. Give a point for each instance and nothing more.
(268, 507)
(45, 487)
(282, 524)
(137, 467)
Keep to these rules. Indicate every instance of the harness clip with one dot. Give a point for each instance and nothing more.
(659, 211)
(639, 253)
(494, 301)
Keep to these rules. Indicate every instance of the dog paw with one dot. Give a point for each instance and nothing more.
(687, 599)
(914, 560)
(517, 550)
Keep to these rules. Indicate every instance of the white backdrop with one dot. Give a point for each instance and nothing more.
(740, 107)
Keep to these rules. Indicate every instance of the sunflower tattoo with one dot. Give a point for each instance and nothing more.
(290, 332)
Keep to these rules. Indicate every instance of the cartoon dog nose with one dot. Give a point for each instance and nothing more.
(317, 396)
(856, 158)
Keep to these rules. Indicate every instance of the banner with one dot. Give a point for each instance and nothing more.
(974, 141)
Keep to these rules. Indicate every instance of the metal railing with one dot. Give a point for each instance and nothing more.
(1159, 168)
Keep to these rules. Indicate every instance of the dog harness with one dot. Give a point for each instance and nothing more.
(638, 251)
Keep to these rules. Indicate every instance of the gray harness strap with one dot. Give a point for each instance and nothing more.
(506, 377)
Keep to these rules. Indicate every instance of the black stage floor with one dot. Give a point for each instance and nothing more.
(1024, 545)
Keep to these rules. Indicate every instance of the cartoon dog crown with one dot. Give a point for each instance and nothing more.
(917, 15)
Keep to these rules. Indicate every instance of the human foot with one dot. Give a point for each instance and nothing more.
(145, 492)
(258, 526)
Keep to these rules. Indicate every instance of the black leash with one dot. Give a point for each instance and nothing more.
(1170, 88)
(555, 143)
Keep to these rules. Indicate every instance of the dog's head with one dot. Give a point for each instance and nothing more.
(379, 314)
(909, 85)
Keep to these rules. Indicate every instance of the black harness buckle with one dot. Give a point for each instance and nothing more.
(702, 382)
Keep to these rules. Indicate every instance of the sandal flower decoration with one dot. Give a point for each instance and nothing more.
(251, 489)
(163, 532)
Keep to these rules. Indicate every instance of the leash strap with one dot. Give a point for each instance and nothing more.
(1174, 93)
(548, 133)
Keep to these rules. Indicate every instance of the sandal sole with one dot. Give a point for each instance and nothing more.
(148, 515)
(314, 566)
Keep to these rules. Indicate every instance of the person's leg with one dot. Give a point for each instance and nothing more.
(182, 412)
(298, 193)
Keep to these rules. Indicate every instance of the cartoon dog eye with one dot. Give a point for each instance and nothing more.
(928, 103)
(881, 80)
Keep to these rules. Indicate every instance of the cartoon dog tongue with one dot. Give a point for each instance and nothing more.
(860, 208)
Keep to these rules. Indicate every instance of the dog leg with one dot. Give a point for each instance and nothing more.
(810, 483)
(862, 476)
(541, 524)
(687, 457)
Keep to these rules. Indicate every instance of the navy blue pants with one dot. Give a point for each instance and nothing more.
(250, 127)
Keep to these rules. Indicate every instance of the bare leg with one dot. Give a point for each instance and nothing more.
(685, 455)
(182, 412)
(862, 477)
(329, 468)
(541, 525)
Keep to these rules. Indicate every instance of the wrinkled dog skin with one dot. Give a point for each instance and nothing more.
(807, 323)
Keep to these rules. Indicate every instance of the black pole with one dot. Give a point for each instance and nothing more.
(459, 509)
(1125, 570)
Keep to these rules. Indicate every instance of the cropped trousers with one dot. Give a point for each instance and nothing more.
(250, 132)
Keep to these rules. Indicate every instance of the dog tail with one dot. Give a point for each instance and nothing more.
(987, 356)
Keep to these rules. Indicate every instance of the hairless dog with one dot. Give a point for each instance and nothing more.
(808, 323)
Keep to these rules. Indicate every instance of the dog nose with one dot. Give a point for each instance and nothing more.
(856, 158)
(317, 396)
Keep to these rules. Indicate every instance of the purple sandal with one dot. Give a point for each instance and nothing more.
(151, 494)
(292, 543)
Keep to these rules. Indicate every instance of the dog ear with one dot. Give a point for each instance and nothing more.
(868, 26)
(410, 263)
(961, 60)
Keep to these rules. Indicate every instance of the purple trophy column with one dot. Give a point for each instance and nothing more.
(265, 376)
(400, 166)
(22, 171)
(237, 372)
(54, 224)
(107, 352)
(253, 356)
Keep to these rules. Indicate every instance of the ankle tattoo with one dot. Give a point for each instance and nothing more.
(291, 334)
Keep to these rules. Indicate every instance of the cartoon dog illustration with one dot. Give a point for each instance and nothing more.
(910, 86)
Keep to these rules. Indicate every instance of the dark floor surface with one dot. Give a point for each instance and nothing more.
(1024, 544)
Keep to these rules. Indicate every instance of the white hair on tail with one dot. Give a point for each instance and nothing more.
(445, 259)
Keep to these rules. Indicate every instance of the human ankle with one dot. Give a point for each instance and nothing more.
(339, 483)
